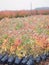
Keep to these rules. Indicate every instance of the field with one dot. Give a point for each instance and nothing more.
(20, 35)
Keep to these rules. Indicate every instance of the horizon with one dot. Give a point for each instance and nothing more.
(13, 5)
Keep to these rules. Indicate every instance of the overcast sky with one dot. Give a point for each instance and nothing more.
(22, 4)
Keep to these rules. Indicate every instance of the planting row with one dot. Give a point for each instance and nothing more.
(11, 14)
(29, 60)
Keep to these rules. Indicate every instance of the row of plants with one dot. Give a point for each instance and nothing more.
(43, 59)
(23, 35)
(23, 13)
(20, 47)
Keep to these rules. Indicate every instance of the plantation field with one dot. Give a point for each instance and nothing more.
(24, 36)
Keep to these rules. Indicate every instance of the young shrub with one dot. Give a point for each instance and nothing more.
(5, 36)
(1, 41)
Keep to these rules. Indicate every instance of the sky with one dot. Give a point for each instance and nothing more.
(22, 4)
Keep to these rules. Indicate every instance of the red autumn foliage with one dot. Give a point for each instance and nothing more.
(22, 13)
(17, 42)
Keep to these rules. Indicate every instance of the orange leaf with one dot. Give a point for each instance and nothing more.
(17, 42)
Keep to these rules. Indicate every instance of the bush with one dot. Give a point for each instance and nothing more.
(1, 41)
(11, 40)
(5, 36)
